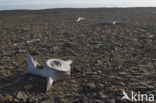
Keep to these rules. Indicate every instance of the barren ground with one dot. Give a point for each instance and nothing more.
(107, 59)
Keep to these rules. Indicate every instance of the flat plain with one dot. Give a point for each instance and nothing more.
(107, 59)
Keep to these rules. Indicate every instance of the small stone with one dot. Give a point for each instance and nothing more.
(143, 83)
(112, 101)
(102, 95)
(69, 44)
(100, 86)
(122, 73)
(150, 86)
(99, 71)
(21, 95)
(150, 36)
(94, 46)
(73, 81)
(119, 78)
(29, 86)
(122, 83)
(55, 49)
(16, 100)
(91, 85)
(112, 76)
(1, 67)
(22, 50)
(76, 54)
(99, 61)
(29, 100)
(141, 87)
(7, 98)
(98, 101)
(93, 73)
(94, 94)
(43, 50)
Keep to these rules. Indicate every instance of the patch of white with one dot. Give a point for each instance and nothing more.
(114, 22)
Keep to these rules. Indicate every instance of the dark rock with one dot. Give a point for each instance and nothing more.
(100, 86)
(102, 95)
(28, 86)
(43, 50)
(1, 67)
(91, 85)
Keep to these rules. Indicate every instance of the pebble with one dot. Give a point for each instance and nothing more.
(55, 49)
(100, 85)
(16, 100)
(20, 51)
(98, 101)
(91, 85)
(122, 83)
(1, 67)
(102, 95)
(112, 101)
(92, 73)
(73, 81)
(122, 73)
(43, 50)
(29, 86)
(21, 95)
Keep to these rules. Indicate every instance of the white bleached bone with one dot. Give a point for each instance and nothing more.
(53, 70)
(80, 19)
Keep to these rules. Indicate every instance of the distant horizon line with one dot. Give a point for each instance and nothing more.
(79, 8)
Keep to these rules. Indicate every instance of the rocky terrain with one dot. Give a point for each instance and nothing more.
(107, 59)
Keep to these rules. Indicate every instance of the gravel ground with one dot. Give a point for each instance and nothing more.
(107, 59)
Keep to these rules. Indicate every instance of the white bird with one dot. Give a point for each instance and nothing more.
(53, 70)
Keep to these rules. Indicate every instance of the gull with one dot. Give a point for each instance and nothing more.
(53, 70)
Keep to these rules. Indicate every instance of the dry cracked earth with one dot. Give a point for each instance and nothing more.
(107, 59)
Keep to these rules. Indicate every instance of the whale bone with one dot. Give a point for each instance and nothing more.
(52, 70)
